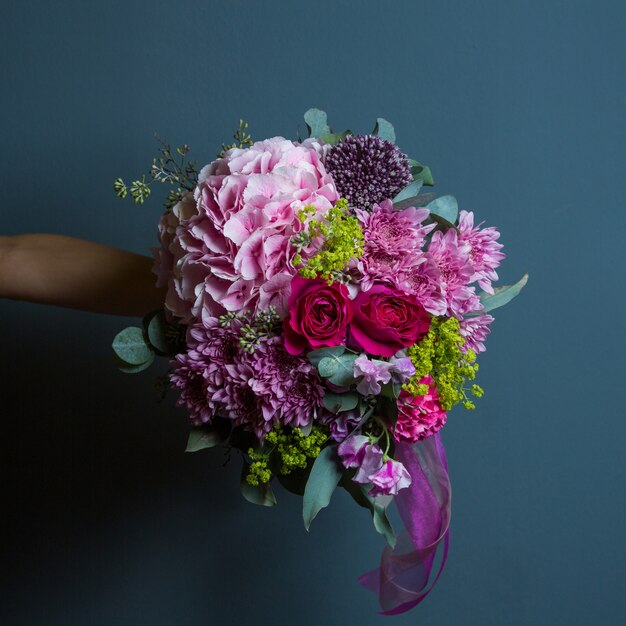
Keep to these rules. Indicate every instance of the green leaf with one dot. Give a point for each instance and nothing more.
(317, 355)
(338, 369)
(376, 506)
(339, 402)
(325, 475)
(261, 495)
(501, 296)
(409, 191)
(446, 207)
(334, 138)
(130, 346)
(421, 172)
(417, 201)
(384, 130)
(317, 123)
(202, 437)
(132, 369)
(156, 329)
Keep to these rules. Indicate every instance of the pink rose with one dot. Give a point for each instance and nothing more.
(386, 320)
(318, 316)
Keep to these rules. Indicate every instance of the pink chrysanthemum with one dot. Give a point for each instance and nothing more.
(419, 416)
(393, 241)
(424, 282)
(475, 330)
(484, 253)
(452, 260)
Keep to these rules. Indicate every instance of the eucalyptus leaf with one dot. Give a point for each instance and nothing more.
(132, 369)
(445, 207)
(202, 437)
(421, 172)
(261, 495)
(156, 329)
(420, 200)
(409, 191)
(501, 296)
(339, 402)
(317, 123)
(334, 138)
(325, 475)
(339, 370)
(131, 347)
(317, 355)
(376, 506)
(384, 130)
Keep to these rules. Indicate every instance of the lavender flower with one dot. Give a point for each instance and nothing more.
(367, 169)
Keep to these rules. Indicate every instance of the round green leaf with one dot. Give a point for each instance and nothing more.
(130, 346)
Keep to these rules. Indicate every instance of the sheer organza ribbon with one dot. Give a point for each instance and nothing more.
(403, 579)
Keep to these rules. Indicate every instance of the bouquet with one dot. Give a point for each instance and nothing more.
(322, 317)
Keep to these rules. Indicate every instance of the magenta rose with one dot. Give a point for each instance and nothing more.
(319, 314)
(386, 320)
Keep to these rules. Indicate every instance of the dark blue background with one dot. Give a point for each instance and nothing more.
(519, 109)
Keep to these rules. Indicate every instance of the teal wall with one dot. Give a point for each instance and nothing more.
(519, 109)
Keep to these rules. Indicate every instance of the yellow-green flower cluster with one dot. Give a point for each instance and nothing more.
(258, 472)
(294, 447)
(343, 241)
(439, 355)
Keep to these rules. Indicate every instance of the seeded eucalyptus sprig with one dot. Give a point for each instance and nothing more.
(170, 167)
(252, 328)
(242, 139)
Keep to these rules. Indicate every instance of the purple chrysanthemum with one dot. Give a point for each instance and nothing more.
(475, 330)
(367, 170)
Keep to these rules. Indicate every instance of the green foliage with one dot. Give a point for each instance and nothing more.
(317, 123)
(439, 355)
(315, 356)
(342, 241)
(130, 346)
(501, 296)
(445, 207)
(410, 191)
(421, 172)
(339, 370)
(242, 139)
(340, 402)
(384, 130)
(208, 436)
(325, 475)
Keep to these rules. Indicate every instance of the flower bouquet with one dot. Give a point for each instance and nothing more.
(322, 317)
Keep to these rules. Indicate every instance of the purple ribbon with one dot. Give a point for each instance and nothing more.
(402, 580)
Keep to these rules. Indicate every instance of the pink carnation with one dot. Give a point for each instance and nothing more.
(229, 247)
(419, 416)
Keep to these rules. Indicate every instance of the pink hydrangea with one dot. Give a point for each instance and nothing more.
(230, 247)
(419, 416)
(484, 250)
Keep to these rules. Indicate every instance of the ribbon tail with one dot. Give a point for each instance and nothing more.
(402, 579)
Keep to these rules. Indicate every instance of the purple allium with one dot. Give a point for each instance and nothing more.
(393, 241)
(475, 330)
(367, 169)
(484, 252)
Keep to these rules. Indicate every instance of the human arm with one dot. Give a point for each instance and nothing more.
(78, 274)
